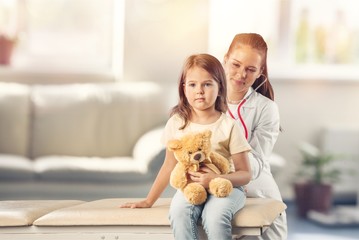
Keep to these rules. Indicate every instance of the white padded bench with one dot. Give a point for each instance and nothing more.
(103, 219)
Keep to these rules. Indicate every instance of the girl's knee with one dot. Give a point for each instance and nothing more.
(217, 218)
(177, 213)
(217, 223)
(218, 228)
(184, 212)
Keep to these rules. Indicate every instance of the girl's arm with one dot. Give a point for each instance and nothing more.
(159, 185)
(242, 174)
(240, 177)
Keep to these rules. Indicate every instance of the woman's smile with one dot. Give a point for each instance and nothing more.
(239, 81)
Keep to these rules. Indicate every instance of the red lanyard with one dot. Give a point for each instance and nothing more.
(240, 117)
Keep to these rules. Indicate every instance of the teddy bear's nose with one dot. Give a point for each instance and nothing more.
(197, 157)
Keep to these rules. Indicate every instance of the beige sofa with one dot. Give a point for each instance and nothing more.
(81, 141)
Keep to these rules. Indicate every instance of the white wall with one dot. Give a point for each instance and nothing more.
(306, 107)
(160, 34)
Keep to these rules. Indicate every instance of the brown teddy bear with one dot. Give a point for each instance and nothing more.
(193, 151)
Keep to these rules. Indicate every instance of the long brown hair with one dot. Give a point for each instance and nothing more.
(257, 42)
(214, 67)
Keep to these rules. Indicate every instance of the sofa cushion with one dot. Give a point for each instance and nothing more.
(93, 169)
(149, 151)
(13, 167)
(23, 213)
(257, 212)
(103, 120)
(14, 118)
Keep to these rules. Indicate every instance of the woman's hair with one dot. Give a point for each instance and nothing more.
(214, 67)
(256, 42)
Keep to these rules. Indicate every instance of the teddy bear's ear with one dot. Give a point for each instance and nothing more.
(174, 145)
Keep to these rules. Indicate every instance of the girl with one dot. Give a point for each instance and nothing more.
(202, 105)
(251, 103)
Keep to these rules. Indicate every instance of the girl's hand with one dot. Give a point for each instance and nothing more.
(203, 177)
(141, 204)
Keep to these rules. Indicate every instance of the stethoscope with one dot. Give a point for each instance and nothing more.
(243, 101)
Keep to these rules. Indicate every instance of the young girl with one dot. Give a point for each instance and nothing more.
(202, 105)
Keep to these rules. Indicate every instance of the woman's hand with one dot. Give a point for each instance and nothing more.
(203, 176)
(141, 204)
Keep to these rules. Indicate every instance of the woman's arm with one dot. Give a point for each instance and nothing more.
(159, 185)
(265, 131)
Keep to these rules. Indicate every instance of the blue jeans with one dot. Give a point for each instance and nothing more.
(216, 214)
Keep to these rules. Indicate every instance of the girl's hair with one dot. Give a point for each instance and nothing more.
(214, 67)
(256, 42)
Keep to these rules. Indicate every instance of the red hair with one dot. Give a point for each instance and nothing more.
(256, 42)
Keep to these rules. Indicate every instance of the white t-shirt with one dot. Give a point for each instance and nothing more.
(227, 137)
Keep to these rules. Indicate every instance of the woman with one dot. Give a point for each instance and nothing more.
(251, 104)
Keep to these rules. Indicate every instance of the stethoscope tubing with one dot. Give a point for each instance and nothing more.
(240, 117)
(239, 109)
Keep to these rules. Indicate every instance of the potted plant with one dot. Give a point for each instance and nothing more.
(315, 192)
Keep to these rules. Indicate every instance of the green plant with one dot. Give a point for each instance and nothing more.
(316, 165)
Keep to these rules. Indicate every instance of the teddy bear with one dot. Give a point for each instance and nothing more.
(193, 151)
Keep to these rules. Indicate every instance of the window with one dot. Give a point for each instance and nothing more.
(313, 39)
(66, 35)
(238, 16)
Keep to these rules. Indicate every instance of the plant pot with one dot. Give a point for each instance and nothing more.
(312, 196)
(6, 47)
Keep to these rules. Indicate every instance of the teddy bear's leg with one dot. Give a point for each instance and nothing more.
(195, 193)
(220, 187)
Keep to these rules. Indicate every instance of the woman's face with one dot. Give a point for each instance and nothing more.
(242, 67)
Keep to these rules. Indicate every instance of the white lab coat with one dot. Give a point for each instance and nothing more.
(261, 117)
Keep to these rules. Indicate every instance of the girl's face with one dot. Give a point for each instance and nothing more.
(242, 67)
(200, 89)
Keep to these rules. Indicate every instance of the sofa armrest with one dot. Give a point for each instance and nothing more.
(149, 152)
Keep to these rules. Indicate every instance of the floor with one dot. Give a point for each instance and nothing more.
(299, 229)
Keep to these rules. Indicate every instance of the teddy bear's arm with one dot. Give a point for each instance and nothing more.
(213, 167)
(221, 162)
(178, 178)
